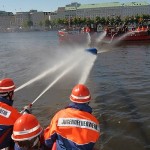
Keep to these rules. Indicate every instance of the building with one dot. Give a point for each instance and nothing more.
(21, 18)
(7, 20)
(37, 18)
(103, 10)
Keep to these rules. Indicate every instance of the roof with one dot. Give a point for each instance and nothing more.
(109, 4)
(70, 8)
(142, 3)
(98, 5)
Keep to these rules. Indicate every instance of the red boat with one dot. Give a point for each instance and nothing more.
(75, 36)
(132, 34)
(112, 35)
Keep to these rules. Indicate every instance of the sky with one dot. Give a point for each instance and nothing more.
(46, 5)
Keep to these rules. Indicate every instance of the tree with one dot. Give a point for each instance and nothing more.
(103, 21)
(75, 21)
(29, 23)
(40, 23)
(97, 19)
(47, 23)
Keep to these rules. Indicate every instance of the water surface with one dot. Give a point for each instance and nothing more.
(119, 81)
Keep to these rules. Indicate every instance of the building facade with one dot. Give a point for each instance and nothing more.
(7, 20)
(104, 10)
(21, 18)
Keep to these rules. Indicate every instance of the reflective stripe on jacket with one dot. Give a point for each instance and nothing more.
(8, 115)
(72, 129)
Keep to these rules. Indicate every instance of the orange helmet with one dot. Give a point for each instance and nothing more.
(7, 85)
(80, 94)
(26, 127)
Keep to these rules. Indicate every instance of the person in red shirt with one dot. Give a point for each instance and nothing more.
(8, 114)
(74, 127)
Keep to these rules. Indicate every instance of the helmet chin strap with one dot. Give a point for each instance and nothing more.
(87, 103)
(10, 95)
(28, 145)
(36, 141)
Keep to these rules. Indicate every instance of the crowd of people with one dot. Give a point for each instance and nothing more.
(72, 128)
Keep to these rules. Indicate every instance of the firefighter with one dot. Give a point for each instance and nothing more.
(74, 127)
(8, 114)
(28, 133)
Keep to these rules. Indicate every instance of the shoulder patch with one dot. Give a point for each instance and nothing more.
(76, 122)
(4, 112)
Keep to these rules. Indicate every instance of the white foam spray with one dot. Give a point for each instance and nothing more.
(45, 73)
(101, 37)
(40, 76)
(88, 64)
(88, 38)
(58, 78)
(77, 58)
(124, 36)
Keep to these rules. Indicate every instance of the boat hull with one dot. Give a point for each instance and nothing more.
(92, 38)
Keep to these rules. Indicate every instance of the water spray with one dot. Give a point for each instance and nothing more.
(45, 73)
(89, 50)
(101, 37)
(126, 34)
(57, 79)
(38, 77)
(86, 70)
(88, 38)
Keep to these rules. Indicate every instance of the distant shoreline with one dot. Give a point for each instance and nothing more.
(25, 30)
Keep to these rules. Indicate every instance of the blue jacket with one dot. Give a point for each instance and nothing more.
(16, 147)
(39, 146)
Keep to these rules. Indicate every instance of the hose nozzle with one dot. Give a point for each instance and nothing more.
(92, 50)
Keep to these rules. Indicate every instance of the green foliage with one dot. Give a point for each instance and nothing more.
(40, 23)
(116, 20)
(47, 23)
(29, 23)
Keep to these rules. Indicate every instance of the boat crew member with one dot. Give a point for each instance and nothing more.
(88, 29)
(74, 127)
(28, 133)
(8, 114)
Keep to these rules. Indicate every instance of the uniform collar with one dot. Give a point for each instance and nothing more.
(82, 107)
(6, 101)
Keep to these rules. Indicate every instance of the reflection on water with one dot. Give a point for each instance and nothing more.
(119, 81)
